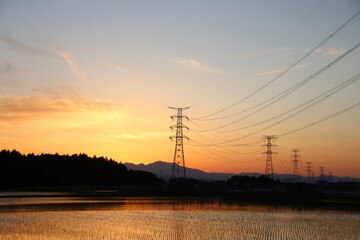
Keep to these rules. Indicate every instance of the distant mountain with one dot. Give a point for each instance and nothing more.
(164, 169)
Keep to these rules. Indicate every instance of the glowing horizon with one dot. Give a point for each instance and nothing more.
(97, 78)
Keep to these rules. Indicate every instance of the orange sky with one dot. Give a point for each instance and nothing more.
(99, 80)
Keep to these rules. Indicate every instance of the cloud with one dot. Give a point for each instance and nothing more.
(6, 68)
(193, 64)
(131, 136)
(26, 48)
(70, 61)
(258, 53)
(335, 51)
(283, 69)
(288, 51)
(317, 50)
(140, 135)
(58, 92)
(120, 68)
(35, 107)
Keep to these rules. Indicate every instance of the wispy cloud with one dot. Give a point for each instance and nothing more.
(282, 69)
(329, 52)
(258, 53)
(130, 136)
(26, 48)
(64, 91)
(317, 50)
(6, 68)
(193, 64)
(139, 135)
(118, 67)
(70, 61)
(35, 107)
(335, 51)
(288, 51)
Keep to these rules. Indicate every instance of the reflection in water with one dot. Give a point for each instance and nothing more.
(164, 218)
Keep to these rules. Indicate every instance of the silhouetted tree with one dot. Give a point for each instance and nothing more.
(238, 181)
(17, 170)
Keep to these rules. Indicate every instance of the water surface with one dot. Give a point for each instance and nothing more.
(59, 217)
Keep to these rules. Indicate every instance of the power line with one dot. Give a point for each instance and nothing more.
(284, 162)
(227, 145)
(222, 159)
(312, 103)
(282, 73)
(204, 130)
(279, 164)
(321, 120)
(280, 40)
(292, 131)
(212, 143)
(221, 147)
(283, 94)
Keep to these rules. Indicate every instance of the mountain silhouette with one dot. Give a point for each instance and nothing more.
(164, 170)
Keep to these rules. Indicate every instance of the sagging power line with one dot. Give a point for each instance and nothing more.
(278, 76)
(286, 92)
(308, 104)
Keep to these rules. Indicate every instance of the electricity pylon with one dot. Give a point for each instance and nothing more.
(309, 172)
(296, 175)
(178, 170)
(269, 152)
(308, 169)
(322, 173)
(330, 176)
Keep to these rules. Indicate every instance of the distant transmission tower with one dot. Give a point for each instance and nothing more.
(309, 172)
(330, 176)
(269, 152)
(178, 170)
(322, 173)
(296, 174)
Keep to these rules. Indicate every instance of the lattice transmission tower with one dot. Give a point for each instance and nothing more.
(296, 175)
(178, 169)
(330, 176)
(309, 171)
(322, 174)
(269, 170)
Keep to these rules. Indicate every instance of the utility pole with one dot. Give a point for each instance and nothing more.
(178, 170)
(322, 173)
(296, 175)
(269, 152)
(308, 170)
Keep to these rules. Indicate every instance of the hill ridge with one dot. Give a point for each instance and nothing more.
(164, 169)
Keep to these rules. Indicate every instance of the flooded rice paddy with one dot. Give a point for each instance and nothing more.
(59, 217)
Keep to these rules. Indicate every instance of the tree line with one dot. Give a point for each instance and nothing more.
(50, 170)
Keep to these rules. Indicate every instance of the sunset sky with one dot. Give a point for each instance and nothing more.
(97, 77)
